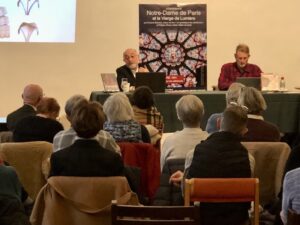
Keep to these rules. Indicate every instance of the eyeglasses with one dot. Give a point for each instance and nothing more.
(245, 108)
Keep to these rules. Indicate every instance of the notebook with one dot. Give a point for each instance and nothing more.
(250, 82)
(109, 82)
(156, 81)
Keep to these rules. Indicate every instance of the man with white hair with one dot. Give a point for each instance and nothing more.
(131, 67)
(31, 96)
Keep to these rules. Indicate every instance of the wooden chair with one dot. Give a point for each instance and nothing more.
(223, 190)
(154, 215)
(293, 218)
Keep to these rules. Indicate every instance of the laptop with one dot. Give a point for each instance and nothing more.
(110, 83)
(270, 82)
(250, 82)
(156, 81)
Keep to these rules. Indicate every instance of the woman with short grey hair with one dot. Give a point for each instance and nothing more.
(190, 111)
(258, 128)
(120, 123)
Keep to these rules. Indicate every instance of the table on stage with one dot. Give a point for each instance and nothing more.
(283, 109)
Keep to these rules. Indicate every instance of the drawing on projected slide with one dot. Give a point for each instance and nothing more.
(27, 29)
(4, 23)
(28, 5)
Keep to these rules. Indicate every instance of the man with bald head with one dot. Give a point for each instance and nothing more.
(31, 96)
(131, 67)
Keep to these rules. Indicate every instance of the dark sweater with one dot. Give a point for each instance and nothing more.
(221, 156)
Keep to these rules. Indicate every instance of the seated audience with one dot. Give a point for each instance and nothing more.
(41, 127)
(291, 193)
(65, 138)
(222, 155)
(190, 111)
(32, 94)
(144, 109)
(86, 157)
(120, 123)
(11, 207)
(258, 128)
(214, 121)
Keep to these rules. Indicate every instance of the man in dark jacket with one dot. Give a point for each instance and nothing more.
(223, 156)
(31, 96)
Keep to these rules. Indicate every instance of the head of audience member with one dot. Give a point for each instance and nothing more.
(131, 58)
(234, 120)
(48, 107)
(253, 100)
(190, 111)
(87, 119)
(117, 108)
(233, 92)
(142, 97)
(71, 103)
(242, 54)
(32, 94)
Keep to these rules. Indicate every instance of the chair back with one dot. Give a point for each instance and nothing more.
(168, 193)
(6, 136)
(30, 161)
(274, 155)
(293, 218)
(223, 190)
(80, 200)
(154, 215)
(147, 158)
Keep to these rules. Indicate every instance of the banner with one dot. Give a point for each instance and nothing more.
(172, 39)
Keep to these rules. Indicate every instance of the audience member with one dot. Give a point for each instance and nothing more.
(144, 109)
(239, 68)
(32, 94)
(222, 155)
(120, 123)
(258, 129)
(11, 207)
(291, 193)
(131, 67)
(214, 121)
(86, 157)
(41, 127)
(66, 138)
(190, 111)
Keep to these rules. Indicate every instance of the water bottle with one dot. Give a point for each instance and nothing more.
(282, 84)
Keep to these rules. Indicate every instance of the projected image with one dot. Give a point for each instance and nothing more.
(37, 20)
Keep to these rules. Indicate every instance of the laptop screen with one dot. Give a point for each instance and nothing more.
(156, 81)
(110, 83)
(250, 82)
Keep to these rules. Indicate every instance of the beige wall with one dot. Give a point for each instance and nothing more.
(104, 28)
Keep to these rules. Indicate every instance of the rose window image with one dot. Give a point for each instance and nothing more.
(177, 53)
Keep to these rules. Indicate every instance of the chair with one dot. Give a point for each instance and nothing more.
(80, 200)
(6, 136)
(274, 155)
(223, 190)
(30, 161)
(146, 157)
(293, 218)
(154, 215)
(169, 194)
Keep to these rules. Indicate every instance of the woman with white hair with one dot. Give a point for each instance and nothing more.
(258, 128)
(214, 121)
(120, 123)
(190, 111)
